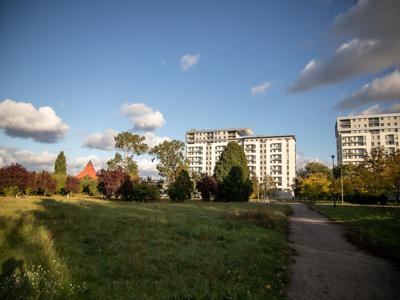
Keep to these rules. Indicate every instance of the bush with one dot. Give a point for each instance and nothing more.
(110, 181)
(207, 186)
(181, 189)
(12, 190)
(88, 186)
(45, 184)
(145, 192)
(72, 185)
(13, 176)
(126, 188)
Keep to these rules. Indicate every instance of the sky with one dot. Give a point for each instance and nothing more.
(75, 73)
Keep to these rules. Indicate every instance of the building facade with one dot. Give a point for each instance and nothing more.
(356, 136)
(266, 155)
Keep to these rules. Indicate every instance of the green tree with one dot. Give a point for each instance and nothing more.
(392, 175)
(235, 187)
(232, 156)
(207, 186)
(130, 145)
(314, 168)
(88, 186)
(60, 165)
(316, 186)
(182, 188)
(171, 158)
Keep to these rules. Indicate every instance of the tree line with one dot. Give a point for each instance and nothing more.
(374, 180)
(231, 180)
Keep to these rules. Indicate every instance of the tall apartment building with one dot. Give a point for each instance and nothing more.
(266, 155)
(357, 135)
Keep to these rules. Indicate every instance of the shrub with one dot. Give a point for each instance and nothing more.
(12, 176)
(126, 188)
(45, 184)
(145, 192)
(12, 190)
(110, 181)
(72, 185)
(181, 189)
(88, 186)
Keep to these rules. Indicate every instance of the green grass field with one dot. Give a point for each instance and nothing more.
(376, 229)
(56, 248)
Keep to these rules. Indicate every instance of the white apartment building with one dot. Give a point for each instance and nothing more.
(357, 135)
(266, 155)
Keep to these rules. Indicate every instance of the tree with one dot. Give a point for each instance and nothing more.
(72, 185)
(314, 168)
(181, 189)
(255, 187)
(61, 180)
(45, 184)
(130, 144)
(88, 186)
(232, 156)
(14, 178)
(126, 188)
(110, 181)
(315, 186)
(392, 175)
(60, 165)
(207, 186)
(235, 187)
(268, 187)
(171, 156)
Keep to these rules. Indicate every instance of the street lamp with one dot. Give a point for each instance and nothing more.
(333, 180)
(341, 181)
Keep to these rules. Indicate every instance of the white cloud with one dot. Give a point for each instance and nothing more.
(377, 109)
(374, 28)
(261, 88)
(20, 119)
(30, 160)
(143, 117)
(153, 140)
(101, 141)
(302, 160)
(382, 89)
(189, 60)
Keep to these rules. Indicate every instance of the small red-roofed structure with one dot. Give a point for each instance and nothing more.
(87, 171)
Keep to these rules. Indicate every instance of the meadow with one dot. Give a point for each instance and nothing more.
(54, 248)
(374, 228)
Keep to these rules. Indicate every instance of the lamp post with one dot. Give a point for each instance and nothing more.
(341, 181)
(333, 180)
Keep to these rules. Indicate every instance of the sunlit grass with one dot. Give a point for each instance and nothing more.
(103, 249)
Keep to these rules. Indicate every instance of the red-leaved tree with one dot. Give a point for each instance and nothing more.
(14, 175)
(72, 185)
(109, 182)
(45, 184)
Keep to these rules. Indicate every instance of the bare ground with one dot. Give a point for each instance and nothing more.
(327, 266)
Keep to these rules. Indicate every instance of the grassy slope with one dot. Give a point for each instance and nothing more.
(375, 228)
(134, 250)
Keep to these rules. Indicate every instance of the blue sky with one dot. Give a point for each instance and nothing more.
(86, 59)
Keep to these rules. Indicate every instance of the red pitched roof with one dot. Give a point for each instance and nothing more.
(87, 171)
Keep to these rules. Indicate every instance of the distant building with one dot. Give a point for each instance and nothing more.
(357, 135)
(87, 171)
(266, 155)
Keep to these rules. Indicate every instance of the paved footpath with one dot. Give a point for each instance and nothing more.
(327, 266)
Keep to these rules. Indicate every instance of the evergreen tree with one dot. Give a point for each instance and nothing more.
(232, 156)
(182, 188)
(60, 165)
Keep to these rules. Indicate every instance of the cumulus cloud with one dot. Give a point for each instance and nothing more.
(374, 28)
(143, 117)
(261, 88)
(20, 119)
(30, 160)
(189, 60)
(101, 141)
(382, 89)
(153, 140)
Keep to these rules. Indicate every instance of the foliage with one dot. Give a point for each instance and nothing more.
(109, 182)
(235, 187)
(13, 176)
(130, 144)
(255, 183)
(170, 155)
(232, 156)
(61, 180)
(268, 187)
(60, 165)
(145, 192)
(313, 168)
(315, 186)
(181, 189)
(207, 186)
(72, 185)
(88, 186)
(125, 190)
(45, 184)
